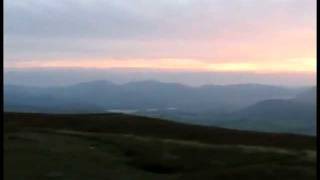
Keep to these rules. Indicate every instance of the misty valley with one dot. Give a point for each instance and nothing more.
(244, 106)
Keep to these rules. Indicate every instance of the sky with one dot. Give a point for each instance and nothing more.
(273, 37)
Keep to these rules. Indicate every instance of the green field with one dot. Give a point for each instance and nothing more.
(117, 146)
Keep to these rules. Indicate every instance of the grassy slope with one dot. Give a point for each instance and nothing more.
(143, 126)
(115, 146)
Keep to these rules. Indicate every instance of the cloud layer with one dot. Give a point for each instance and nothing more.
(268, 33)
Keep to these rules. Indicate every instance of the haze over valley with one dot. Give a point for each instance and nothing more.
(244, 106)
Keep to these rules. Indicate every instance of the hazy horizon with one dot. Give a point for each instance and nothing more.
(69, 76)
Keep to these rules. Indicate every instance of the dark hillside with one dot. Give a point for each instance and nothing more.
(143, 126)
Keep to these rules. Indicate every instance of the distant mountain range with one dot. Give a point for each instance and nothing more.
(244, 106)
(145, 94)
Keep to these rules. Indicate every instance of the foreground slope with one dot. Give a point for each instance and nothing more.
(118, 146)
(144, 126)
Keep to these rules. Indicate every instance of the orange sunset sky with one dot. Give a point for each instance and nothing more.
(258, 36)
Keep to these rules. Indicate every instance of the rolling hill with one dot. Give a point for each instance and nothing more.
(120, 146)
(139, 125)
(296, 115)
